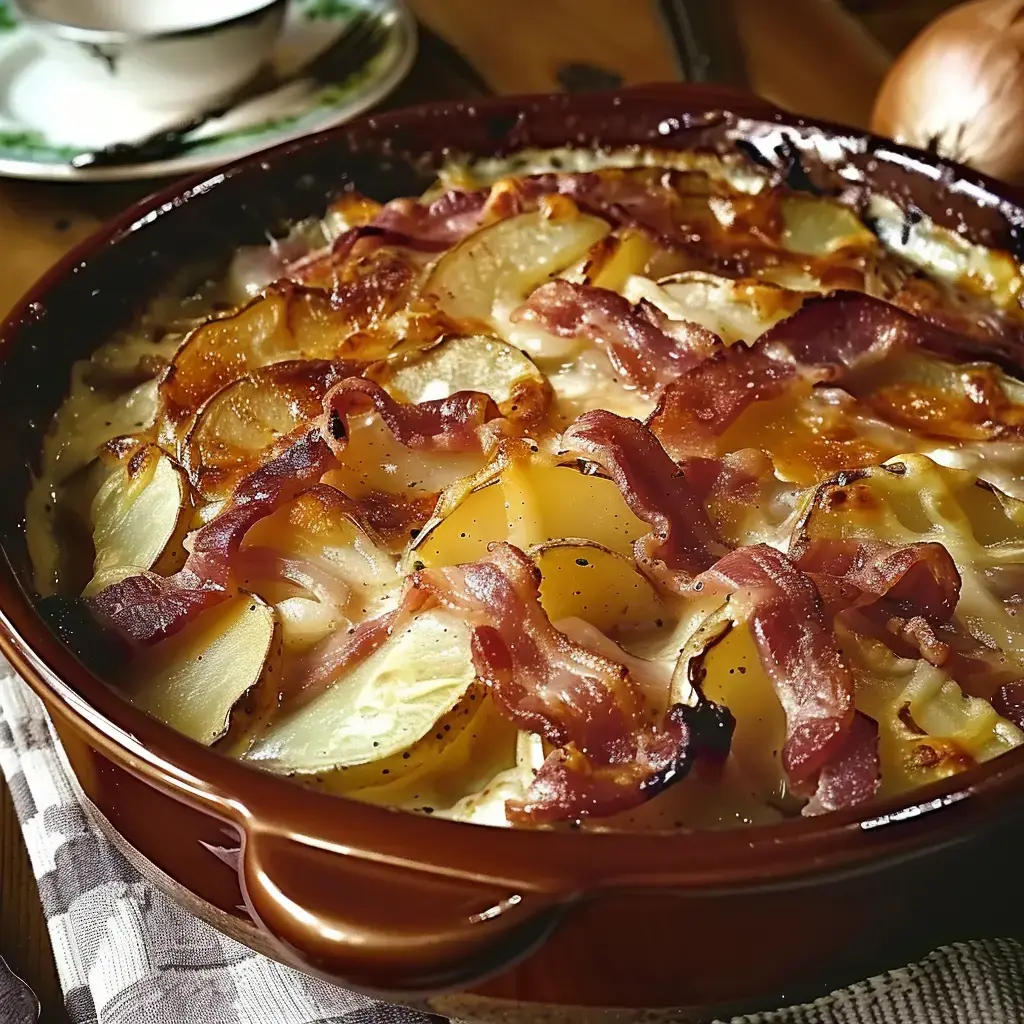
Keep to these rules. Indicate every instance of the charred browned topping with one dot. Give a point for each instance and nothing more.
(937, 753)
(905, 716)
(137, 463)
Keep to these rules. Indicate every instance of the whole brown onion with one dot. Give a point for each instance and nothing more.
(958, 89)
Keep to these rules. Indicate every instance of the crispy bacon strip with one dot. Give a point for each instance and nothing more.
(736, 478)
(441, 223)
(147, 608)
(611, 756)
(962, 326)
(639, 349)
(649, 199)
(354, 244)
(824, 340)
(683, 541)
(905, 597)
(912, 580)
(695, 410)
(838, 332)
(853, 776)
(798, 650)
(448, 424)
(980, 670)
(395, 517)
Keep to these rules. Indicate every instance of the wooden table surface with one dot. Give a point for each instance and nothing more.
(519, 46)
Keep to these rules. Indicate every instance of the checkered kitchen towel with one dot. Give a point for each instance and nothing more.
(128, 955)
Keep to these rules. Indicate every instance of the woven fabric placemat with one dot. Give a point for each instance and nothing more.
(127, 954)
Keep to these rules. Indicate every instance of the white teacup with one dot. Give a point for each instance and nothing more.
(168, 54)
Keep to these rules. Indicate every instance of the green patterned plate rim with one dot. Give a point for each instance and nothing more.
(27, 152)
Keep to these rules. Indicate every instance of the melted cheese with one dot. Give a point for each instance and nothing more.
(393, 712)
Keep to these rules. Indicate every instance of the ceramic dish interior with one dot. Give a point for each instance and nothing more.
(393, 902)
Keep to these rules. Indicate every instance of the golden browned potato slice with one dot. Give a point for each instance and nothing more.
(484, 278)
(584, 580)
(918, 391)
(243, 421)
(381, 707)
(928, 728)
(616, 258)
(530, 503)
(329, 554)
(476, 363)
(215, 675)
(722, 659)
(819, 227)
(287, 322)
(140, 516)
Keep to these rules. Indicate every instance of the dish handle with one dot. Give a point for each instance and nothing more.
(385, 926)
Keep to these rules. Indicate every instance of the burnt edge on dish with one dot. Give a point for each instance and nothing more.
(106, 278)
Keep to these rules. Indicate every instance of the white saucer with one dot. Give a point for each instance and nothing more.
(48, 116)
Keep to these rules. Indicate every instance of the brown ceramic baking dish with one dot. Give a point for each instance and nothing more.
(463, 919)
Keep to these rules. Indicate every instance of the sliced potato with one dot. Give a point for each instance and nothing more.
(448, 749)
(241, 423)
(724, 663)
(528, 504)
(584, 580)
(381, 707)
(216, 673)
(819, 227)
(423, 754)
(615, 258)
(483, 279)
(920, 392)
(481, 742)
(287, 322)
(376, 462)
(476, 363)
(734, 310)
(486, 806)
(316, 543)
(140, 516)
(928, 728)
(464, 534)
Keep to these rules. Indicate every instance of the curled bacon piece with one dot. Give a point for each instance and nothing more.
(147, 607)
(683, 541)
(611, 756)
(639, 349)
(979, 669)
(838, 332)
(827, 338)
(447, 424)
(905, 597)
(441, 222)
(695, 410)
(912, 580)
(853, 776)
(797, 648)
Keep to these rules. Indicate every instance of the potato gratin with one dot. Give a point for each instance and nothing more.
(645, 497)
